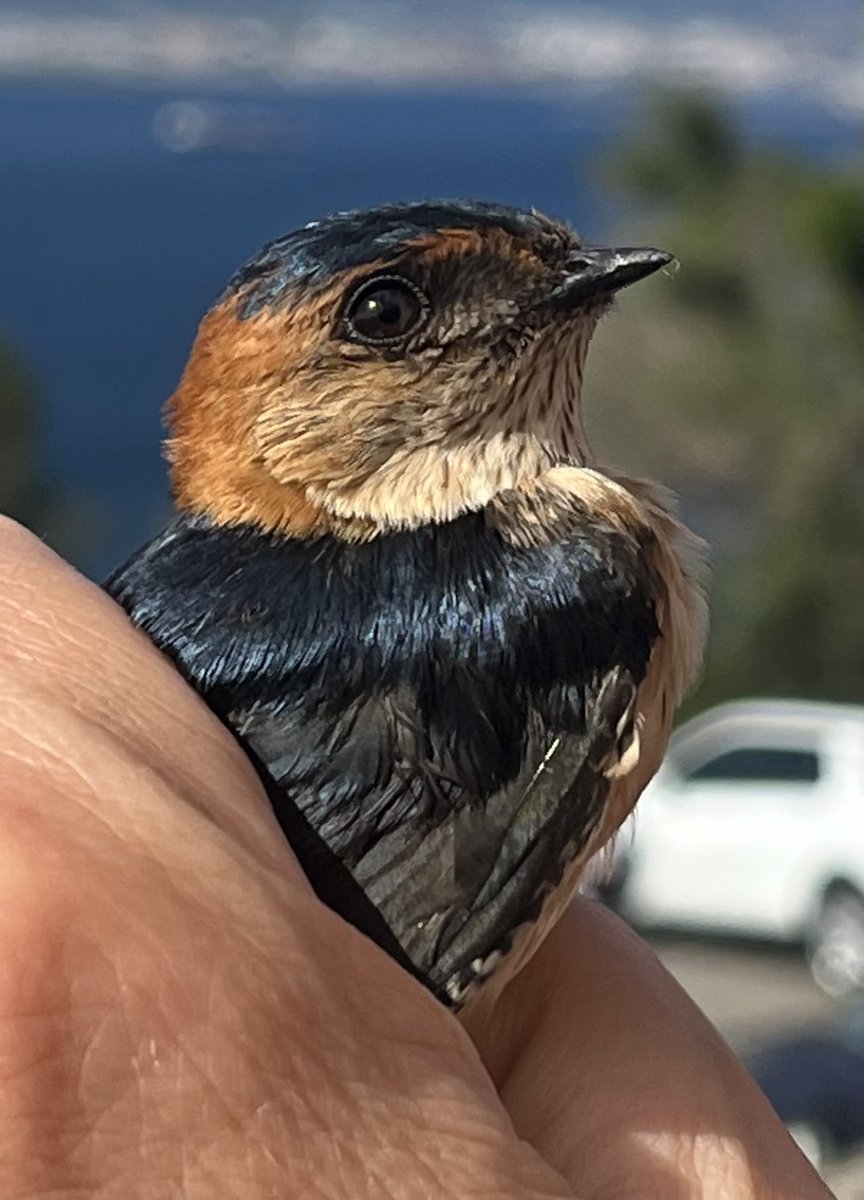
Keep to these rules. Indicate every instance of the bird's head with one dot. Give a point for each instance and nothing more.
(384, 369)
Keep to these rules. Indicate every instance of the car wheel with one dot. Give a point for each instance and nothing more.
(836, 944)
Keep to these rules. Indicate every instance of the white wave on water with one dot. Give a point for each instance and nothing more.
(379, 45)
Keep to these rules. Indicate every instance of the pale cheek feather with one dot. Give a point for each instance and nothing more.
(484, 436)
(433, 483)
(458, 435)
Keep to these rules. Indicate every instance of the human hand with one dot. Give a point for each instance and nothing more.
(180, 1016)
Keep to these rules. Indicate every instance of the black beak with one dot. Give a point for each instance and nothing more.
(594, 272)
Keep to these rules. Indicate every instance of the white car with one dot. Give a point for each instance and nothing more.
(754, 826)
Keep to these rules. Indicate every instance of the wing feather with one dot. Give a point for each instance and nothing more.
(438, 716)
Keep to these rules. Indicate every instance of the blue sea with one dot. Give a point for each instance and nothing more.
(112, 246)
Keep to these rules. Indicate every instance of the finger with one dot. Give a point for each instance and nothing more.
(608, 1068)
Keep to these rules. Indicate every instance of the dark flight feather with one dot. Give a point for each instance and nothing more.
(432, 712)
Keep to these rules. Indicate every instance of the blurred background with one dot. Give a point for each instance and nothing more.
(147, 148)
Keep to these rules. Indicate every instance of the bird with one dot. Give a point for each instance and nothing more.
(450, 641)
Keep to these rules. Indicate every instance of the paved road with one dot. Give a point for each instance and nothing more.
(753, 994)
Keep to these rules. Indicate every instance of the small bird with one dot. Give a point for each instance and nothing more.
(451, 643)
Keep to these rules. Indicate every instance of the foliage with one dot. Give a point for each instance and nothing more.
(738, 382)
(19, 491)
(69, 521)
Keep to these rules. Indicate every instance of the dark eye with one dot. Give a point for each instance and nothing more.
(385, 310)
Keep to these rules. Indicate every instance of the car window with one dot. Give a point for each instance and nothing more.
(760, 763)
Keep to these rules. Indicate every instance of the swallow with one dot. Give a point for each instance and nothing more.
(449, 640)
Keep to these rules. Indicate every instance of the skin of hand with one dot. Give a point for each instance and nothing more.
(180, 1016)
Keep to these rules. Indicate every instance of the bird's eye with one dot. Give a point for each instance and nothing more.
(384, 310)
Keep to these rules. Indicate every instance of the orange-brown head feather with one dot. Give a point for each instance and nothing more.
(291, 418)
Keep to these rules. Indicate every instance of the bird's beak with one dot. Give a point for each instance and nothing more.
(600, 272)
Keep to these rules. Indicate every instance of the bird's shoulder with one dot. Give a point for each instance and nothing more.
(537, 585)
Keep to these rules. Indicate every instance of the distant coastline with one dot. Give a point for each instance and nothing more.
(747, 51)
